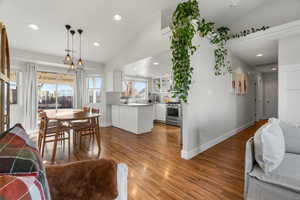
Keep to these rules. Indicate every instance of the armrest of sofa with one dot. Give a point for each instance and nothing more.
(122, 176)
(93, 180)
(250, 156)
(249, 162)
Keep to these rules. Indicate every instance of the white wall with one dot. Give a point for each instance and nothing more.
(289, 51)
(213, 113)
(289, 81)
(259, 97)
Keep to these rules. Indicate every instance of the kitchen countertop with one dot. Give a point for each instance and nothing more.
(135, 104)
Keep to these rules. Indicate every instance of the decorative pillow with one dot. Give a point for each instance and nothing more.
(19, 157)
(291, 135)
(18, 154)
(20, 132)
(269, 146)
(13, 188)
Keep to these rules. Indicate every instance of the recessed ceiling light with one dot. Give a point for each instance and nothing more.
(117, 17)
(259, 55)
(155, 63)
(33, 27)
(96, 44)
(274, 69)
(234, 3)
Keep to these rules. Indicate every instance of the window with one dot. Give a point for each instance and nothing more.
(56, 91)
(94, 89)
(14, 82)
(135, 89)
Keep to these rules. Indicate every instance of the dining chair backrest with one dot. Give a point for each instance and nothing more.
(86, 109)
(95, 121)
(95, 110)
(44, 121)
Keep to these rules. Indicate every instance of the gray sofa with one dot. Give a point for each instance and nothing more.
(281, 184)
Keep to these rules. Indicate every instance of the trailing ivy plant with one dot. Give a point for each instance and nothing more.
(186, 23)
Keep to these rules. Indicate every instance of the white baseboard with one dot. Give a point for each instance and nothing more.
(187, 155)
(105, 125)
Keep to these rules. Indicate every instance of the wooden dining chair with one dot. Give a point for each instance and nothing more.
(90, 129)
(51, 123)
(79, 123)
(48, 134)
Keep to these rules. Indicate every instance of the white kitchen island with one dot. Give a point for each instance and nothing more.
(134, 118)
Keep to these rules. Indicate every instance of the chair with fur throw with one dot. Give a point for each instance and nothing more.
(85, 180)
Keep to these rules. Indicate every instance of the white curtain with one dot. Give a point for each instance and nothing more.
(79, 90)
(30, 97)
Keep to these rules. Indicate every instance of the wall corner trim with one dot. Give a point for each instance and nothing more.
(187, 155)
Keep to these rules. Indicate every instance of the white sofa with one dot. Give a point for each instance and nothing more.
(284, 182)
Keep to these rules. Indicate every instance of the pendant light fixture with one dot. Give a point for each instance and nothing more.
(68, 58)
(80, 61)
(72, 65)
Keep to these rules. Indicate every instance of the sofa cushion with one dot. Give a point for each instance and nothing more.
(286, 175)
(291, 136)
(18, 154)
(269, 146)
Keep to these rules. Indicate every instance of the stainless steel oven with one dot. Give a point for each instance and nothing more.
(174, 115)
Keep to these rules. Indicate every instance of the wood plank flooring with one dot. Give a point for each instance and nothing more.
(157, 172)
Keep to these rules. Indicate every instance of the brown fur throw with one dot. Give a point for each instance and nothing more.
(86, 180)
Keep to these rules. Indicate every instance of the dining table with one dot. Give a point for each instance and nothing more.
(69, 115)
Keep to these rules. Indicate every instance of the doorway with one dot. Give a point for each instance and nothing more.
(270, 92)
(266, 95)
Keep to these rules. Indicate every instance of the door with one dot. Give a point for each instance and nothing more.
(270, 95)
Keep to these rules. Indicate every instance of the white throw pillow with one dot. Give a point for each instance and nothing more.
(269, 146)
(291, 135)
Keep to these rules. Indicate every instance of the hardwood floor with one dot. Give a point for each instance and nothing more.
(156, 170)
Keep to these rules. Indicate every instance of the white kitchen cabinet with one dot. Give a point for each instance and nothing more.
(160, 112)
(162, 84)
(166, 84)
(115, 114)
(136, 119)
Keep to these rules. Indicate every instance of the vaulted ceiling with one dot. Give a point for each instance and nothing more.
(96, 18)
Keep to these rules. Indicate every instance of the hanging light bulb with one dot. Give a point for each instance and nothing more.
(67, 59)
(80, 61)
(72, 66)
